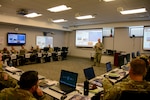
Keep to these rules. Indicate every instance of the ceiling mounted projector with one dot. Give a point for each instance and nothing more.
(22, 11)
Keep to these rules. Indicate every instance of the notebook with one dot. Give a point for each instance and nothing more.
(13, 69)
(89, 73)
(67, 82)
(108, 66)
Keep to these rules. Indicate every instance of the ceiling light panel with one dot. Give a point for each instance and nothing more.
(108, 0)
(59, 8)
(59, 20)
(85, 17)
(133, 11)
(32, 15)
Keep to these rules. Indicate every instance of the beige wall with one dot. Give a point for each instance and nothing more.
(31, 33)
(120, 42)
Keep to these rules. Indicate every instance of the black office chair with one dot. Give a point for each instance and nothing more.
(22, 57)
(14, 60)
(64, 52)
(138, 53)
(54, 56)
(135, 95)
(133, 55)
(128, 57)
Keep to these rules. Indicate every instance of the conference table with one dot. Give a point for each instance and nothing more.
(15, 73)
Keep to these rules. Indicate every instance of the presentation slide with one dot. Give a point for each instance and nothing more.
(146, 39)
(44, 41)
(16, 38)
(88, 38)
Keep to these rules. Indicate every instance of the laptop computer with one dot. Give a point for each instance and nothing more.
(89, 73)
(67, 82)
(108, 66)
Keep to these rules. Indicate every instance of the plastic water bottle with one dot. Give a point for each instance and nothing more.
(10, 63)
(5, 63)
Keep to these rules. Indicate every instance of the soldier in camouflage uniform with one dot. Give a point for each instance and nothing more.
(5, 80)
(147, 60)
(28, 90)
(135, 81)
(98, 53)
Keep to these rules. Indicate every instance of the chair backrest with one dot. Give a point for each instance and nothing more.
(138, 53)
(108, 66)
(128, 57)
(135, 95)
(133, 55)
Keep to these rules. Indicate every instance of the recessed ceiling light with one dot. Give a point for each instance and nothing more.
(85, 17)
(59, 8)
(32, 15)
(133, 11)
(108, 0)
(59, 20)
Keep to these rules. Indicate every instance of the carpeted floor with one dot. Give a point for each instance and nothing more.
(51, 70)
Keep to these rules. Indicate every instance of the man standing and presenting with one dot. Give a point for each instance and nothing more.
(98, 53)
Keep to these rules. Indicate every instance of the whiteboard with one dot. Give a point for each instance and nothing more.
(44, 41)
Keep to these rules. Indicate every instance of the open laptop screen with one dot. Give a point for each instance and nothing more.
(68, 78)
(108, 66)
(89, 73)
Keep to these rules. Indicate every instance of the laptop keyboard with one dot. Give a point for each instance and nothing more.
(66, 89)
(62, 89)
(57, 89)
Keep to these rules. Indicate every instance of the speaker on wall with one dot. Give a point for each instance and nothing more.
(45, 33)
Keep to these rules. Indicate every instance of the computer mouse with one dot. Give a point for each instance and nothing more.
(63, 97)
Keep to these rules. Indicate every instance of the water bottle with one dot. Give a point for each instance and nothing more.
(86, 87)
(10, 63)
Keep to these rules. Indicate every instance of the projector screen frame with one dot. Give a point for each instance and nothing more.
(146, 38)
(87, 38)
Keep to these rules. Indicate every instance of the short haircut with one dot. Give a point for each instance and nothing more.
(138, 66)
(28, 79)
(146, 61)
